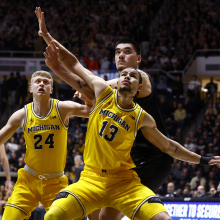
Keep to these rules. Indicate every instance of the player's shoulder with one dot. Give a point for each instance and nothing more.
(18, 116)
(147, 87)
(148, 120)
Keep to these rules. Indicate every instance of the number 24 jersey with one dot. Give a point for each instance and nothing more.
(46, 139)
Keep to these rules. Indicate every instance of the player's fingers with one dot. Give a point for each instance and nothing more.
(45, 55)
(37, 13)
(56, 49)
(53, 47)
(49, 50)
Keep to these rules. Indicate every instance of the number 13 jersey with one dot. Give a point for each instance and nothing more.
(111, 132)
(46, 139)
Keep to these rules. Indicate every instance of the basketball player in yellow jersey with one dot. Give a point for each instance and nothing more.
(107, 179)
(45, 124)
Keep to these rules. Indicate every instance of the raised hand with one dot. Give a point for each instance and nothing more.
(52, 56)
(42, 26)
(84, 98)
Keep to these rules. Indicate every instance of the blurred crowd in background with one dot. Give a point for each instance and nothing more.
(90, 29)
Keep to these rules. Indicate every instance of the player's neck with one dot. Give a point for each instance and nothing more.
(125, 101)
(42, 106)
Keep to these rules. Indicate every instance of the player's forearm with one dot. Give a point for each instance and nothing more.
(74, 81)
(177, 151)
(5, 165)
(65, 57)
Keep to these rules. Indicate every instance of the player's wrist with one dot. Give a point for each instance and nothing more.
(44, 34)
(205, 160)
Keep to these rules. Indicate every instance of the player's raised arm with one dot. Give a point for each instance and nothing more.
(97, 84)
(14, 122)
(66, 58)
(168, 146)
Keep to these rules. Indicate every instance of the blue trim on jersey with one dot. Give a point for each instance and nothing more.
(121, 108)
(17, 207)
(137, 122)
(37, 116)
(77, 198)
(101, 101)
(58, 113)
(25, 117)
(138, 207)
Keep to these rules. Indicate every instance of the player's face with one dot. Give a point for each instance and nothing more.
(125, 56)
(129, 81)
(41, 85)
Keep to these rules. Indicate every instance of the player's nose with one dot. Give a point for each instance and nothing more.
(121, 55)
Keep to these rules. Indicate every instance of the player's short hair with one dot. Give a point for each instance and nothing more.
(44, 74)
(130, 41)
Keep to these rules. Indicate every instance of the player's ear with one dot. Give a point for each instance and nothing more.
(140, 87)
(51, 91)
(139, 59)
(30, 88)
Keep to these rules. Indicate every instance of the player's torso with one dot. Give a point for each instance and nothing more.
(143, 152)
(46, 139)
(111, 132)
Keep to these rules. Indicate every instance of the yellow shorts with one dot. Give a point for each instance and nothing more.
(95, 190)
(30, 190)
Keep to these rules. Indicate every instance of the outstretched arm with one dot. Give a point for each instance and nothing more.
(66, 58)
(14, 122)
(5, 165)
(97, 84)
(168, 146)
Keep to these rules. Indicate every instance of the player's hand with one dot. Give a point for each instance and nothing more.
(216, 161)
(42, 26)
(52, 56)
(84, 98)
(8, 185)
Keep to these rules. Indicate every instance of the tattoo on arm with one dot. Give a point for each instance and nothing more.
(63, 59)
(176, 149)
(81, 84)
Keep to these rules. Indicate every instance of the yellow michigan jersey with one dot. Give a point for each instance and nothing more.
(111, 132)
(46, 139)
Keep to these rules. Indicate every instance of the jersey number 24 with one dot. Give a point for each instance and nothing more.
(49, 140)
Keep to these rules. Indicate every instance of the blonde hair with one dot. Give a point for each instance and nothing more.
(43, 73)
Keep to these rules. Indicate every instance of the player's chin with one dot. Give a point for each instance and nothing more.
(121, 67)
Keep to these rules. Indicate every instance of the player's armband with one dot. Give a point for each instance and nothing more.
(205, 160)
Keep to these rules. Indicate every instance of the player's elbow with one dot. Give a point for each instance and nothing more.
(167, 146)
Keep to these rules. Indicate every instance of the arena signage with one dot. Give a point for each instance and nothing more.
(193, 210)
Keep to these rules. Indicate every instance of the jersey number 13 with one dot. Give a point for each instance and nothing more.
(112, 133)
